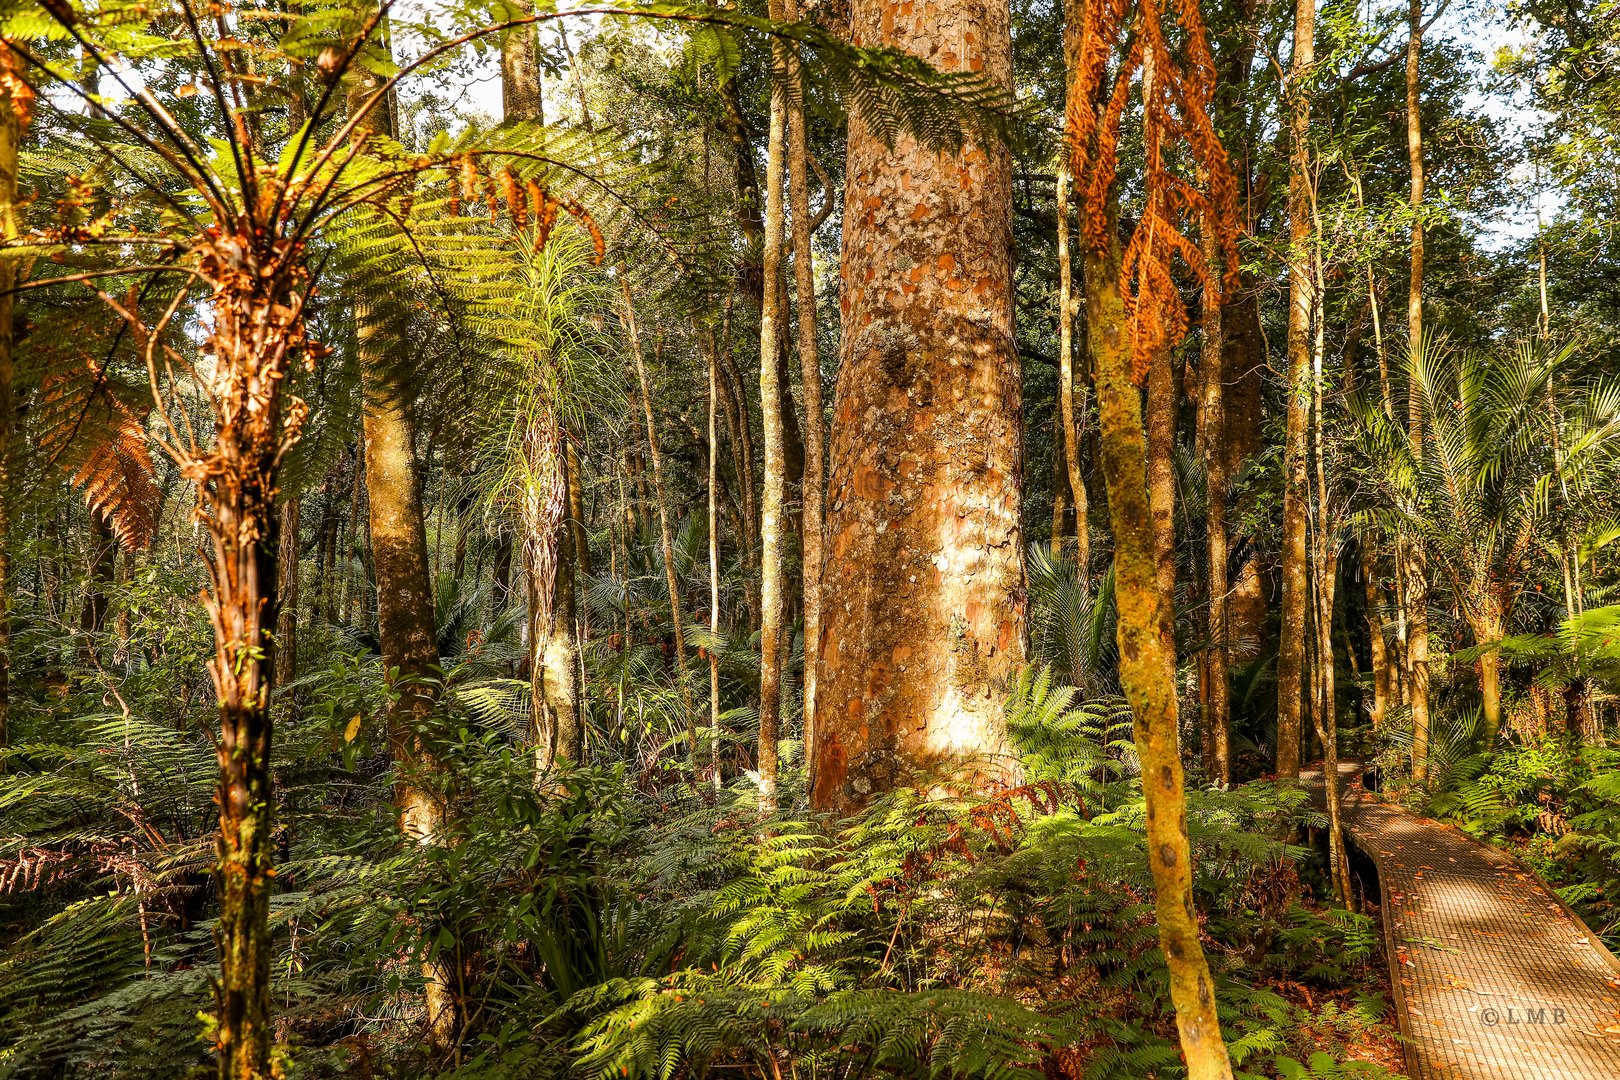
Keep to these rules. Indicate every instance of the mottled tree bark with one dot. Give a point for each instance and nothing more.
(925, 549)
(1295, 581)
(711, 350)
(521, 93)
(1161, 474)
(554, 721)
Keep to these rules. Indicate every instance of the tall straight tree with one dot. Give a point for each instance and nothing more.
(771, 313)
(1415, 568)
(398, 538)
(16, 103)
(666, 535)
(1301, 293)
(1067, 413)
(1211, 435)
(405, 617)
(925, 547)
(812, 486)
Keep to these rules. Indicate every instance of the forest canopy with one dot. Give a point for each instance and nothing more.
(830, 538)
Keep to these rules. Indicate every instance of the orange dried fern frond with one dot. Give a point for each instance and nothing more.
(119, 484)
(102, 440)
(1177, 92)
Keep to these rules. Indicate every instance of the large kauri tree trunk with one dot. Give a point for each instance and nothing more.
(923, 628)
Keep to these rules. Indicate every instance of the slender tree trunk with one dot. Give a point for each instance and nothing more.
(93, 614)
(576, 518)
(771, 586)
(1326, 713)
(1417, 591)
(666, 537)
(925, 548)
(743, 447)
(12, 113)
(287, 617)
(1295, 585)
(1244, 361)
(1147, 671)
(1325, 580)
(715, 742)
(1060, 492)
(1211, 431)
(813, 485)
(1066, 405)
(1378, 647)
(354, 574)
(405, 615)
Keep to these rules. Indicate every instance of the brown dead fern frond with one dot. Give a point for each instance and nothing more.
(99, 438)
(1177, 87)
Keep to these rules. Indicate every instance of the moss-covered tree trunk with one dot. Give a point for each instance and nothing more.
(924, 630)
(1147, 673)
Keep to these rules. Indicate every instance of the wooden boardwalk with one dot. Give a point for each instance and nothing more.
(1493, 975)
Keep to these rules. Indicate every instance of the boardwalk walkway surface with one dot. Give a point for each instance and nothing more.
(1493, 976)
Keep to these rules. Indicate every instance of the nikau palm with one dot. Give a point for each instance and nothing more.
(1482, 492)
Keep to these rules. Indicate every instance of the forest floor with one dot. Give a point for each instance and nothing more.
(1493, 975)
